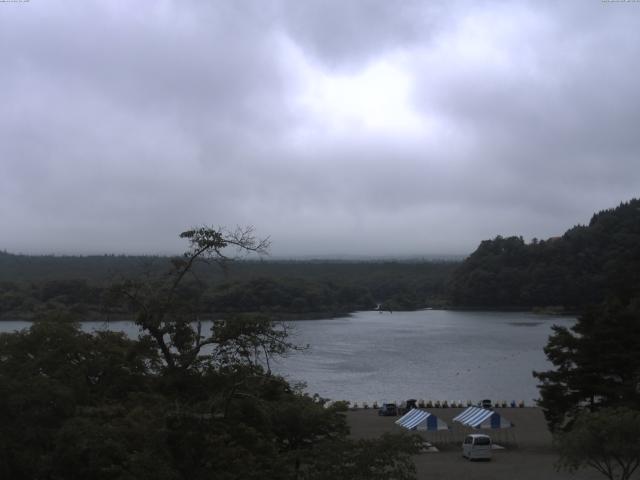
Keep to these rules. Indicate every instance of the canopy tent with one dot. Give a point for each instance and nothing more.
(421, 420)
(477, 417)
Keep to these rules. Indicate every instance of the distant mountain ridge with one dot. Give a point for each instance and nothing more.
(582, 267)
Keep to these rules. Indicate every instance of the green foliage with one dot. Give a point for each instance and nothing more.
(109, 442)
(273, 297)
(75, 405)
(177, 403)
(388, 458)
(597, 364)
(248, 340)
(32, 286)
(51, 373)
(279, 289)
(581, 268)
(607, 440)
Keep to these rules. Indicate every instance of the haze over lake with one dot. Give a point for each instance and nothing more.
(430, 354)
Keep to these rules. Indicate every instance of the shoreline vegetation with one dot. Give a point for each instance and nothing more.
(280, 290)
(93, 316)
(560, 276)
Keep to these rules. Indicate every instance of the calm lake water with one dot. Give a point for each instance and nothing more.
(430, 354)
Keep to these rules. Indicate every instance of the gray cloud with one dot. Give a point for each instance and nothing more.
(344, 35)
(370, 127)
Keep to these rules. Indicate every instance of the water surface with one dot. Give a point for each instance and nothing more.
(430, 354)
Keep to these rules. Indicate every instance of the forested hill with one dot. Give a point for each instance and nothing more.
(580, 268)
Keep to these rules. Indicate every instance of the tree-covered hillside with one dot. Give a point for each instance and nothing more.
(580, 268)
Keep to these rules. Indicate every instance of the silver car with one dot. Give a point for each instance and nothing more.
(477, 446)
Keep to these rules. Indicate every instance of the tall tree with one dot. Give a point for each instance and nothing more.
(167, 309)
(597, 364)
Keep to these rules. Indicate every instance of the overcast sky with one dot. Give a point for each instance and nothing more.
(368, 127)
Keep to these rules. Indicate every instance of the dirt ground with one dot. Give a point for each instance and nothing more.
(528, 452)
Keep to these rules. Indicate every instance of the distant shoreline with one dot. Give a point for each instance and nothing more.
(93, 316)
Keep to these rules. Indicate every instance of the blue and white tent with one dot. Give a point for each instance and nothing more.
(477, 417)
(421, 420)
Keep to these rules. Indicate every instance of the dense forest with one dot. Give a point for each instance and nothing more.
(564, 273)
(39, 286)
(580, 268)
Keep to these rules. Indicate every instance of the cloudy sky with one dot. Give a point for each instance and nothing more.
(368, 127)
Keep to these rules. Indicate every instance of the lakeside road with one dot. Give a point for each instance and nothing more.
(528, 453)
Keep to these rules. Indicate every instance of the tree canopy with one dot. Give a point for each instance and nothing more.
(607, 440)
(582, 267)
(32, 287)
(596, 363)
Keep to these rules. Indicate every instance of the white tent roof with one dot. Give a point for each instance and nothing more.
(477, 417)
(421, 420)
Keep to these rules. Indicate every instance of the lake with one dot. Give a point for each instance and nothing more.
(429, 354)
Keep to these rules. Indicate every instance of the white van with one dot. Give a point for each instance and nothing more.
(477, 446)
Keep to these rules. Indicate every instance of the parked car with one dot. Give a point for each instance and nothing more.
(477, 446)
(388, 410)
(486, 403)
(410, 405)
